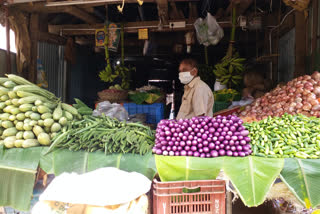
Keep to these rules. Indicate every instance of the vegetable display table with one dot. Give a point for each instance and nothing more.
(252, 177)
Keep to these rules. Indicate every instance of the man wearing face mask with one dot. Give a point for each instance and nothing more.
(198, 98)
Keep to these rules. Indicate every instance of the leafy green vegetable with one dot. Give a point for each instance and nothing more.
(138, 97)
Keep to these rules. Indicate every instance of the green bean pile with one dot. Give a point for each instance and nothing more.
(286, 137)
(105, 134)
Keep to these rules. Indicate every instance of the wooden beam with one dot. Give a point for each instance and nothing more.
(163, 14)
(81, 14)
(72, 10)
(8, 56)
(33, 29)
(301, 39)
(51, 38)
(242, 6)
(315, 5)
(130, 27)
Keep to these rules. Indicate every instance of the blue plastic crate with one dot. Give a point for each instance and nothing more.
(154, 112)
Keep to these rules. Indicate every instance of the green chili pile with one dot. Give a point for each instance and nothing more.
(104, 134)
(286, 137)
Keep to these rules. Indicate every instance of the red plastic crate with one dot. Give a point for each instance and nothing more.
(201, 197)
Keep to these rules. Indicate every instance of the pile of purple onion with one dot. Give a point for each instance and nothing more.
(204, 137)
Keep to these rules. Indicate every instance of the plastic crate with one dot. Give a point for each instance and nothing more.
(154, 112)
(219, 105)
(201, 197)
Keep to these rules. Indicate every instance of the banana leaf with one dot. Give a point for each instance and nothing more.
(302, 177)
(187, 168)
(18, 169)
(252, 176)
(81, 162)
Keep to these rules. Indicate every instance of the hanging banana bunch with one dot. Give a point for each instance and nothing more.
(229, 71)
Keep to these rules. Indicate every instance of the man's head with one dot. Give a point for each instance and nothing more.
(187, 70)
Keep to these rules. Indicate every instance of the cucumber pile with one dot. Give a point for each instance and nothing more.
(29, 115)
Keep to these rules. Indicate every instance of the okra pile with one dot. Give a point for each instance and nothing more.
(288, 136)
(105, 134)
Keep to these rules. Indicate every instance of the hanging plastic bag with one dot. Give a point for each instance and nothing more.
(208, 30)
(111, 110)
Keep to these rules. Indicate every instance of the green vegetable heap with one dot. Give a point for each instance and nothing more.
(286, 137)
(29, 115)
(105, 134)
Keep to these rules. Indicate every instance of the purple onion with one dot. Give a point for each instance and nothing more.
(230, 133)
(194, 148)
(168, 148)
(186, 133)
(194, 142)
(234, 138)
(209, 139)
(174, 148)
(205, 143)
(192, 133)
(190, 153)
(208, 155)
(215, 138)
(202, 155)
(159, 152)
(210, 124)
(233, 148)
(170, 143)
(206, 128)
(179, 148)
(239, 148)
(164, 143)
(171, 153)
(235, 154)
(163, 148)
(243, 142)
(231, 142)
(217, 142)
(222, 152)
(232, 128)
(187, 148)
(201, 131)
(168, 133)
(180, 134)
(229, 153)
(225, 142)
(247, 139)
(221, 138)
(237, 143)
(199, 140)
(162, 138)
(212, 130)
(189, 143)
(212, 145)
(178, 139)
(206, 149)
(196, 130)
(207, 132)
(182, 143)
(199, 126)
(227, 147)
(214, 153)
(222, 146)
(200, 150)
(217, 147)
(196, 154)
(221, 125)
(200, 145)
(193, 126)
(244, 133)
(217, 134)
(242, 154)
(199, 134)
(227, 137)
(215, 125)
(219, 130)
(225, 129)
(165, 153)
(184, 138)
(228, 124)
(245, 148)
(183, 153)
(166, 129)
(190, 137)
(189, 129)
(204, 136)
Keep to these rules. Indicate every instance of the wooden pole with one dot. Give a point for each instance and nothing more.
(8, 42)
